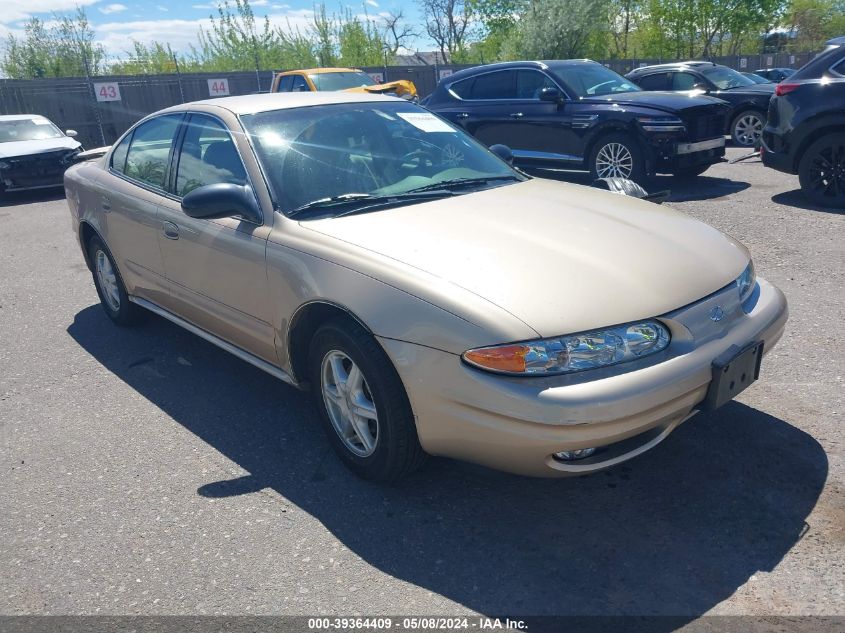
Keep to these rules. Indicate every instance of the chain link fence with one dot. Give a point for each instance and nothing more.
(101, 108)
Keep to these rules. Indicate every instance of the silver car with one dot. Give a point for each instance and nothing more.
(433, 299)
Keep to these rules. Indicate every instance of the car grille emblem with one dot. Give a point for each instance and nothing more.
(717, 314)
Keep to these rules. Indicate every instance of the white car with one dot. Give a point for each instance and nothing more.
(34, 152)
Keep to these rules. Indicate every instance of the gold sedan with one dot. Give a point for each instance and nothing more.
(345, 79)
(433, 299)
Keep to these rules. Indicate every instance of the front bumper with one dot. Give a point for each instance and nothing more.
(669, 156)
(517, 424)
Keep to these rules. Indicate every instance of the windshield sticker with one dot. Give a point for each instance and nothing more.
(426, 122)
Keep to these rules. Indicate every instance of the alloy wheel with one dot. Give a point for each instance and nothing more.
(827, 171)
(614, 160)
(108, 280)
(748, 129)
(349, 403)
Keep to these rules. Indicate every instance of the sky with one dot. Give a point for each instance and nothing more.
(177, 21)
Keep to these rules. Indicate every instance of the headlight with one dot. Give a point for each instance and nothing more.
(661, 124)
(572, 353)
(746, 281)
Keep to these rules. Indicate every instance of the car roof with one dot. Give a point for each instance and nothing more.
(836, 41)
(21, 117)
(321, 71)
(544, 64)
(688, 64)
(250, 104)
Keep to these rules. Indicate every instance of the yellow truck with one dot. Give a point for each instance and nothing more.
(345, 79)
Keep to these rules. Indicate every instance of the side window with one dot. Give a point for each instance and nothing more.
(657, 81)
(839, 69)
(118, 156)
(285, 83)
(208, 156)
(529, 83)
(463, 88)
(495, 85)
(299, 84)
(146, 159)
(683, 81)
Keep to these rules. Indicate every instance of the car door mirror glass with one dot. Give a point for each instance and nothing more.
(221, 200)
(701, 86)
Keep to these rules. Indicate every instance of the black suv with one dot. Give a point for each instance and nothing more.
(581, 115)
(805, 133)
(748, 100)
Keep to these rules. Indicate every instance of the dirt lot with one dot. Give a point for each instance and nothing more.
(146, 472)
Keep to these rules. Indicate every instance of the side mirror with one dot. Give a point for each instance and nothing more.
(221, 200)
(700, 86)
(503, 151)
(550, 94)
(71, 133)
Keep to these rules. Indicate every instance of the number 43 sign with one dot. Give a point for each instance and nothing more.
(107, 92)
(218, 87)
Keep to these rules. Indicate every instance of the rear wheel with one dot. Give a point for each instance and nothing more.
(617, 156)
(821, 171)
(747, 127)
(110, 288)
(362, 403)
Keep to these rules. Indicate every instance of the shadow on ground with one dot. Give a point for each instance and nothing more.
(796, 198)
(682, 189)
(15, 198)
(674, 532)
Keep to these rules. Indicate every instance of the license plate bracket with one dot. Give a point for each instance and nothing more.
(733, 372)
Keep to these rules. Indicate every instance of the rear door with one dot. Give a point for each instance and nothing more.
(215, 268)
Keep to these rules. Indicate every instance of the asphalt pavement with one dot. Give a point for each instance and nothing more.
(144, 471)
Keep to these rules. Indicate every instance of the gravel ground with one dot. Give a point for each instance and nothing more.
(146, 472)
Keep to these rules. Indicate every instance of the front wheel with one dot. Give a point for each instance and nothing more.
(617, 156)
(821, 171)
(362, 403)
(747, 127)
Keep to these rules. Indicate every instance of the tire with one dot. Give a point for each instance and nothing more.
(691, 172)
(110, 287)
(615, 147)
(386, 448)
(821, 171)
(747, 127)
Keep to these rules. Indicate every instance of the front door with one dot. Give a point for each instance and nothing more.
(216, 268)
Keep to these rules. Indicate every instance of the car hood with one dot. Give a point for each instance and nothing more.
(665, 101)
(399, 87)
(27, 148)
(756, 89)
(562, 258)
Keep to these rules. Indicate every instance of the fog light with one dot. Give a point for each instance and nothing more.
(571, 456)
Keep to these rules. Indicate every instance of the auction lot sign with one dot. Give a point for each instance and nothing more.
(109, 91)
(218, 87)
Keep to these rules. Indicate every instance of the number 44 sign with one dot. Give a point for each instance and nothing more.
(107, 92)
(218, 87)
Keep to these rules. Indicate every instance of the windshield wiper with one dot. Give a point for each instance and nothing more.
(457, 183)
(349, 198)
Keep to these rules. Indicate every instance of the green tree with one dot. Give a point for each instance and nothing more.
(360, 42)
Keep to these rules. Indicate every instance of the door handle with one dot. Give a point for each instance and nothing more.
(462, 115)
(171, 231)
(106, 204)
(517, 115)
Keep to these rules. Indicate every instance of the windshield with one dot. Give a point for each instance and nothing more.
(341, 81)
(757, 79)
(725, 78)
(588, 80)
(28, 130)
(377, 149)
